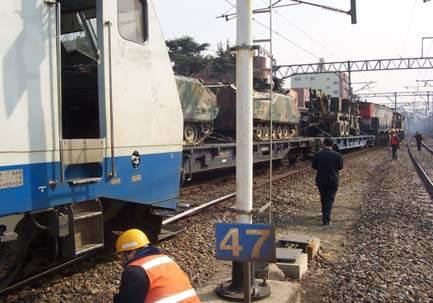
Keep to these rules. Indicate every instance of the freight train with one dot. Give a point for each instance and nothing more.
(298, 126)
(91, 127)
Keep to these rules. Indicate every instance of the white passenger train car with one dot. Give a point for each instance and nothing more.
(90, 120)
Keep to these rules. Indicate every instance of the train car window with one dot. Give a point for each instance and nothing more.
(132, 20)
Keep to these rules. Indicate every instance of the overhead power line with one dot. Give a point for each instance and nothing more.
(287, 39)
(409, 27)
(302, 31)
(280, 35)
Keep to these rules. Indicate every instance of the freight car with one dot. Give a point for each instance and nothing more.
(376, 120)
(398, 123)
(87, 134)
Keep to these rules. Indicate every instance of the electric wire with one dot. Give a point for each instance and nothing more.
(287, 39)
(279, 35)
(303, 32)
(409, 27)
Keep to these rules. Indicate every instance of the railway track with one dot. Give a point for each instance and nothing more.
(419, 167)
(257, 185)
(428, 148)
(168, 222)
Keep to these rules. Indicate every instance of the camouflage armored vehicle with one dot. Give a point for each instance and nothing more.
(199, 109)
(285, 114)
(332, 116)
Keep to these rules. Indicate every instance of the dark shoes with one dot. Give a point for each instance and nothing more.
(326, 223)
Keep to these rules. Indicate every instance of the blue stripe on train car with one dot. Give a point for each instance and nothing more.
(154, 182)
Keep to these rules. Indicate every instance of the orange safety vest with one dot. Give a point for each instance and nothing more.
(394, 140)
(168, 282)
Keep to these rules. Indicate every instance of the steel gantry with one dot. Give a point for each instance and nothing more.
(287, 71)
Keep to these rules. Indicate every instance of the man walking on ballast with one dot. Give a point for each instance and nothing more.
(418, 138)
(328, 163)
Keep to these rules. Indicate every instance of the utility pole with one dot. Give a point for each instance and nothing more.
(350, 82)
(244, 126)
(395, 101)
(243, 283)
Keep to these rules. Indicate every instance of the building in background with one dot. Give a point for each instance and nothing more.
(333, 84)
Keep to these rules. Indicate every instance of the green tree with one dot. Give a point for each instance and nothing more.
(188, 55)
(224, 64)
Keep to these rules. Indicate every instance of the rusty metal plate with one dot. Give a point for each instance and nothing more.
(11, 178)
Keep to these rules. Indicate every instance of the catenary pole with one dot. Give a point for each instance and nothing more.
(244, 112)
(244, 124)
(243, 285)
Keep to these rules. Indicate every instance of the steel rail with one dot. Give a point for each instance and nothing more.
(428, 148)
(55, 269)
(421, 171)
(209, 204)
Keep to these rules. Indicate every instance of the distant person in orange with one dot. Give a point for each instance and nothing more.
(149, 275)
(395, 144)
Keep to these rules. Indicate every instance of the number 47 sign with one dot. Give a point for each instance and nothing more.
(245, 242)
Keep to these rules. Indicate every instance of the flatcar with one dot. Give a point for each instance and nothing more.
(91, 127)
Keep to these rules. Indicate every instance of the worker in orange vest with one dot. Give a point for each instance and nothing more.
(395, 144)
(150, 276)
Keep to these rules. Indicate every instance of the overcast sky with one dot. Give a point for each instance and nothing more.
(386, 29)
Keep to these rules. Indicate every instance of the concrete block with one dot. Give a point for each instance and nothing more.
(275, 273)
(288, 255)
(282, 292)
(296, 269)
(269, 272)
(313, 248)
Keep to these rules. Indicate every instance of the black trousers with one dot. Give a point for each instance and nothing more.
(327, 197)
(418, 145)
(394, 151)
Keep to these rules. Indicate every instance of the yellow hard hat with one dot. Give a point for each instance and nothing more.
(130, 240)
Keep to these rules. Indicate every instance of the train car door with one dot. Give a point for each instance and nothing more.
(143, 112)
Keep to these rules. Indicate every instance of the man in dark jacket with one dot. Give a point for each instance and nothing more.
(328, 163)
(418, 138)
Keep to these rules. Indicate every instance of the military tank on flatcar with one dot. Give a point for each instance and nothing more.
(285, 114)
(331, 116)
(199, 109)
